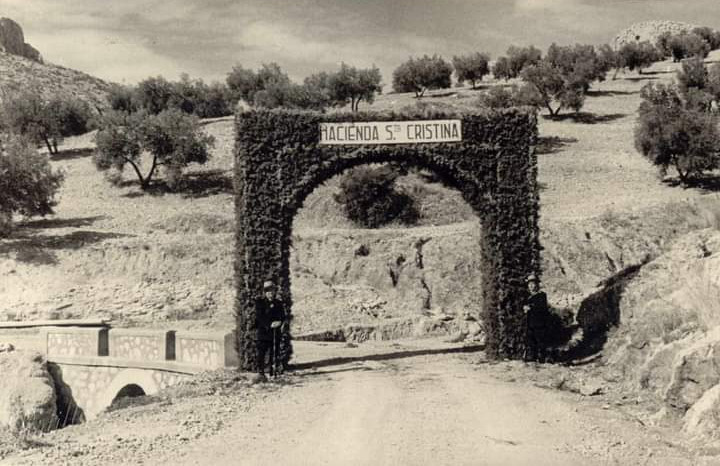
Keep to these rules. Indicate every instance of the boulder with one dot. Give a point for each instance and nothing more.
(702, 421)
(650, 31)
(27, 392)
(695, 370)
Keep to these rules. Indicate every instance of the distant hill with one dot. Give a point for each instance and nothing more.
(22, 67)
(52, 80)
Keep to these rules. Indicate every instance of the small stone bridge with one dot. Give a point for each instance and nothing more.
(94, 366)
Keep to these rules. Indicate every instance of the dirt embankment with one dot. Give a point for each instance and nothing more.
(182, 273)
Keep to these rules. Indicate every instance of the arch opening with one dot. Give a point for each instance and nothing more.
(402, 279)
(125, 395)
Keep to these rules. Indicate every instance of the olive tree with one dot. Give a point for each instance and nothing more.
(352, 85)
(45, 121)
(421, 74)
(639, 55)
(172, 139)
(28, 183)
(471, 67)
(516, 59)
(672, 134)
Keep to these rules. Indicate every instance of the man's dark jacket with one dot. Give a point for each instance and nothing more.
(268, 311)
(538, 317)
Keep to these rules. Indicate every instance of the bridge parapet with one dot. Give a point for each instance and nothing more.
(212, 350)
(75, 341)
(137, 347)
(142, 345)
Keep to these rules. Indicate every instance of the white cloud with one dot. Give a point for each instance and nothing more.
(105, 56)
(532, 5)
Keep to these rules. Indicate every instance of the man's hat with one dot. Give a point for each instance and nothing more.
(268, 285)
(532, 278)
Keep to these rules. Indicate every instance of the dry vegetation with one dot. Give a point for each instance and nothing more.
(51, 80)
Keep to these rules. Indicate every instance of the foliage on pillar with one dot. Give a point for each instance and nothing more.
(279, 161)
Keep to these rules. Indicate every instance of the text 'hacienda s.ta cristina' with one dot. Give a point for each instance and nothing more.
(391, 132)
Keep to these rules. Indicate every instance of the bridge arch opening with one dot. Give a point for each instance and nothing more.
(128, 391)
(280, 161)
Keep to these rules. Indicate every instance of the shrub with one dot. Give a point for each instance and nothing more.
(500, 97)
(471, 67)
(497, 97)
(420, 74)
(370, 198)
(28, 183)
(172, 138)
(671, 134)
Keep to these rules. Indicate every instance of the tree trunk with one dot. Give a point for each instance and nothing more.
(152, 171)
(49, 147)
(143, 181)
(675, 161)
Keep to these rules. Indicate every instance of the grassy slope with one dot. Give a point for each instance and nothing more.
(157, 258)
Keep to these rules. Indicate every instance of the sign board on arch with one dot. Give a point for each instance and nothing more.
(390, 132)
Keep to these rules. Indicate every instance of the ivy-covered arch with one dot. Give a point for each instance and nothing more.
(279, 162)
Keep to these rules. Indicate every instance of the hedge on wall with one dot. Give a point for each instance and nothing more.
(278, 162)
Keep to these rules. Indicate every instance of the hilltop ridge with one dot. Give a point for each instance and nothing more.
(12, 41)
(22, 68)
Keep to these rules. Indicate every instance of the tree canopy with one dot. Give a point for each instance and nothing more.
(471, 67)
(28, 183)
(671, 133)
(420, 74)
(172, 138)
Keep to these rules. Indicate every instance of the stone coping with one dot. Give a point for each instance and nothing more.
(139, 331)
(207, 335)
(55, 323)
(107, 361)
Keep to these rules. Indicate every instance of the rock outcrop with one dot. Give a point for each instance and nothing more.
(27, 392)
(650, 31)
(12, 41)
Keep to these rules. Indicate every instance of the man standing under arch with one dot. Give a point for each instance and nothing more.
(270, 318)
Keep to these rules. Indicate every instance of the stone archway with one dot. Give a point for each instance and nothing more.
(140, 378)
(280, 160)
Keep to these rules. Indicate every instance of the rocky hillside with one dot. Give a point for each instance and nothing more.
(12, 41)
(650, 31)
(21, 67)
(52, 80)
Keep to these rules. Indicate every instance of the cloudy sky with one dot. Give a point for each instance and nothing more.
(128, 40)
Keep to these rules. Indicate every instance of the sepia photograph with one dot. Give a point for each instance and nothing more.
(360, 232)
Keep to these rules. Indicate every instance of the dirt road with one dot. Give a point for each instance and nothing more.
(415, 403)
(436, 409)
